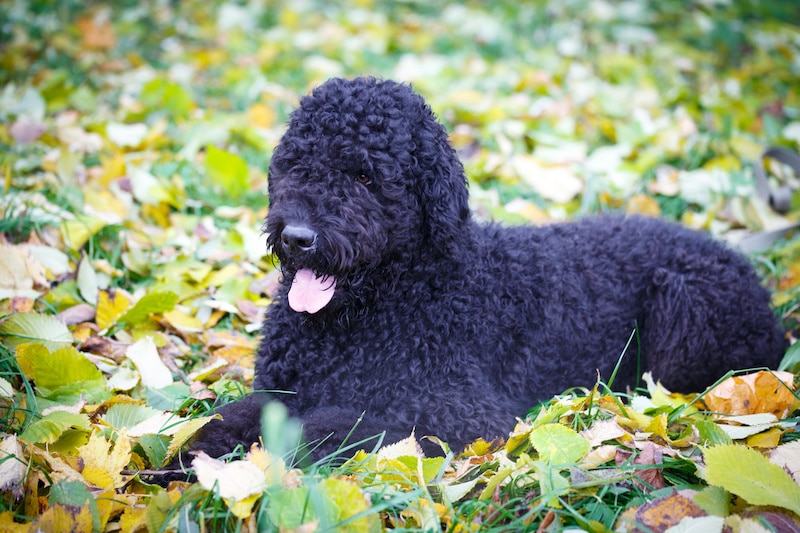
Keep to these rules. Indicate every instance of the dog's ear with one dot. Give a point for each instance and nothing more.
(442, 187)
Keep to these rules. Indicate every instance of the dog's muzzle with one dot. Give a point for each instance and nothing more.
(298, 239)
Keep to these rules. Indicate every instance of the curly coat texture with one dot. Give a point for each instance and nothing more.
(453, 327)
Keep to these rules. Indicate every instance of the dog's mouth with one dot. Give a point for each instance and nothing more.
(310, 292)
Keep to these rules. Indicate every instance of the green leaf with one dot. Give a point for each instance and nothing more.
(714, 500)
(155, 448)
(227, 171)
(60, 368)
(87, 281)
(24, 328)
(127, 415)
(551, 482)
(558, 445)
(53, 425)
(791, 360)
(345, 501)
(74, 494)
(748, 474)
(167, 398)
(430, 466)
(78, 231)
(165, 96)
(153, 302)
(288, 509)
(711, 434)
(93, 391)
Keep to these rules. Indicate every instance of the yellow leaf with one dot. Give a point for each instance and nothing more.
(77, 232)
(658, 426)
(183, 322)
(643, 204)
(186, 432)
(273, 467)
(133, 519)
(242, 508)
(104, 201)
(63, 518)
(241, 355)
(102, 465)
(406, 447)
(113, 168)
(228, 272)
(7, 523)
(725, 162)
(426, 515)
(765, 439)
(598, 456)
(760, 392)
(110, 306)
(626, 417)
(261, 115)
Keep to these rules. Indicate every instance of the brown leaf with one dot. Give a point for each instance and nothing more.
(97, 31)
(760, 392)
(106, 347)
(268, 284)
(25, 132)
(77, 314)
(199, 391)
(649, 454)
(20, 304)
(249, 310)
(663, 513)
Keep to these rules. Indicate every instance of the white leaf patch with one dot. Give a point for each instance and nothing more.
(153, 371)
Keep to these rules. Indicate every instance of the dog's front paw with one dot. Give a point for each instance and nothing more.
(240, 425)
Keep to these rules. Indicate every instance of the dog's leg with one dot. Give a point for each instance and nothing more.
(240, 424)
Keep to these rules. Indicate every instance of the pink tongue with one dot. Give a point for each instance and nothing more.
(310, 293)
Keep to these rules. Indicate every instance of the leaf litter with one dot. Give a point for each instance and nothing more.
(132, 271)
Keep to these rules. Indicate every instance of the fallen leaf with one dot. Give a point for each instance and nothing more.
(102, 465)
(13, 466)
(25, 131)
(111, 305)
(668, 511)
(408, 447)
(237, 482)
(87, 281)
(787, 456)
(97, 31)
(126, 135)
(24, 328)
(748, 474)
(77, 314)
(556, 183)
(649, 454)
(558, 445)
(20, 272)
(153, 371)
(760, 392)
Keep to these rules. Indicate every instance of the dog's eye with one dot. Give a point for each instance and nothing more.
(363, 179)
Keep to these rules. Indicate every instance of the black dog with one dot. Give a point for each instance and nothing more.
(398, 305)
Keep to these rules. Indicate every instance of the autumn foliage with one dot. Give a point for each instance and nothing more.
(134, 142)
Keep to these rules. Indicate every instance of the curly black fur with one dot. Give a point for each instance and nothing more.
(453, 327)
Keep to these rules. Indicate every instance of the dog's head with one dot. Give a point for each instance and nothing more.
(362, 182)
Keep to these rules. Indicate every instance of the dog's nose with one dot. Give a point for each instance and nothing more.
(298, 238)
